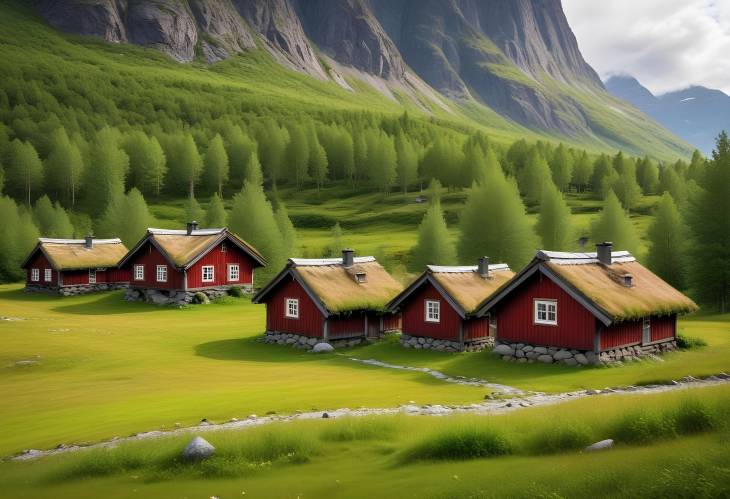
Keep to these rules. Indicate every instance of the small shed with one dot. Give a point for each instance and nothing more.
(337, 300)
(438, 308)
(75, 266)
(604, 303)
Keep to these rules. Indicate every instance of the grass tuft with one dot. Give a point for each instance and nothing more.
(643, 427)
(693, 416)
(559, 436)
(689, 342)
(469, 441)
(357, 428)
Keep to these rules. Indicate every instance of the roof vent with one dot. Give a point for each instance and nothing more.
(628, 280)
(191, 227)
(603, 252)
(348, 257)
(89, 242)
(483, 266)
(361, 277)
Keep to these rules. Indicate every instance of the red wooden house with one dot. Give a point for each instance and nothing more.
(334, 300)
(170, 266)
(75, 266)
(438, 308)
(584, 307)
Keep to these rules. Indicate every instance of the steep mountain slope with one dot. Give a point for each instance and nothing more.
(697, 114)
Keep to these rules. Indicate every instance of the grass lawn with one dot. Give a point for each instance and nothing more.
(106, 368)
(372, 457)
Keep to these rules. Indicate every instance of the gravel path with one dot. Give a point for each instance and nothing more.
(511, 399)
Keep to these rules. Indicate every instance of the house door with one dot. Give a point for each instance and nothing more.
(646, 331)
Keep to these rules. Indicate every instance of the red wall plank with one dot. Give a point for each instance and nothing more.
(576, 325)
(392, 322)
(220, 260)
(310, 321)
(663, 328)
(41, 263)
(150, 257)
(476, 328)
(414, 316)
(621, 334)
(353, 325)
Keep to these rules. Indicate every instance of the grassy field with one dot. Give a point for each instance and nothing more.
(106, 368)
(668, 445)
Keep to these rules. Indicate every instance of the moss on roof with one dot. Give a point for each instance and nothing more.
(648, 294)
(183, 248)
(339, 292)
(72, 256)
(469, 289)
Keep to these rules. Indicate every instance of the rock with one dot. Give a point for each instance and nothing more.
(198, 449)
(325, 415)
(547, 359)
(157, 298)
(540, 350)
(581, 359)
(503, 350)
(570, 362)
(528, 348)
(602, 445)
(322, 348)
(562, 354)
(519, 354)
(25, 363)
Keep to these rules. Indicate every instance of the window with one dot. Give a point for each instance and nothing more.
(208, 273)
(92, 276)
(162, 273)
(546, 312)
(35, 275)
(292, 308)
(234, 272)
(139, 272)
(433, 311)
(47, 275)
(223, 248)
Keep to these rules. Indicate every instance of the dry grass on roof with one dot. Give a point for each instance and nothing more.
(77, 256)
(469, 289)
(183, 248)
(648, 295)
(336, 287)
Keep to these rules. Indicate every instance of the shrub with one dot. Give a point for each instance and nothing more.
(692, 416)
(689, 342)
(559, 437)
(236, 292)
(462, 442)
(356, 428)
(201, 297)
(642, 427)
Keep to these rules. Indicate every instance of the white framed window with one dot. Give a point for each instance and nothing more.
(292, 308)
(234, 272)
(433, 311)
(162, 273)
(47, 275)
(546, 312)
(35, 275)
(139, 272)
(92, 276)
(208, 273)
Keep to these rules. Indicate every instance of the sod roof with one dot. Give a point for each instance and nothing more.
(467, 288)
(72, 254)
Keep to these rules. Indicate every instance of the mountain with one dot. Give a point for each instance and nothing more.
(513, 63)
(697, 114)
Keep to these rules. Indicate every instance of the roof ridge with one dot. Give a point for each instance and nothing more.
(312, 262)
(465, 268)
(582, 258)
(51, 240)
(184, 232)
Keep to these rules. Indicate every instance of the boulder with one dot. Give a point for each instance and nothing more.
(198, 449)
(581, 359)
(503, 350)
(562, 354)
(570, 362)
(602, 445)
(540, 350)
(547, 359)
(322, 348)
(157, 298)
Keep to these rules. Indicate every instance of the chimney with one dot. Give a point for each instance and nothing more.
(192, 226)
(483, 266)
(348, 257)
(603, 252)
(89, 242)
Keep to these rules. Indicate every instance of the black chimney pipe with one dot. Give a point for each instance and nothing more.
(603, 252)
(348, 257)
(89, 242)
(483, 266)
(192, 226)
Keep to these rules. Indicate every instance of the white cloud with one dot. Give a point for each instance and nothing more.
(665, 44)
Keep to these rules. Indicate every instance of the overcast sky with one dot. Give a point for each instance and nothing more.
(665, 44)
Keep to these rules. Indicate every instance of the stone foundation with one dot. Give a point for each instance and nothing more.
(307, 342)
(525, 353)
(425, 343)
(81, 289)
(178, 298)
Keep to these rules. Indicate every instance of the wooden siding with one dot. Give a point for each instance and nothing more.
(414, 316)
(150, 257)
(220, 260)
(346, 326)
(392, 322)
(476, 328)
(621, 334)
(41, 263)
(310, 321)
(515, 322)
(663, 328)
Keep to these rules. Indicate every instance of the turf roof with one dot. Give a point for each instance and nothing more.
(468, 289)
(72, 254)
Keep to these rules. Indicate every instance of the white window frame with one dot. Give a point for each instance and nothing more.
(234, 272)
(139, 272)
(35, 274)
(161, 273)
(212, 273)
(291, 308)
(548, 304)
(47, 275)
(432, 311)
(92, 276)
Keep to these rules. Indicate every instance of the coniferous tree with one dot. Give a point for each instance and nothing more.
(147, 162)
(534, 176)
(614, 225)
(239, 149)
(108, 164)
(190, 164)
(696, 167)
(709, 225)
(52, 220)
(561, 165)
(671, 182)
(407, 162)
(254, 174)
(625, 186)
(494, 223)
(553, 222)
(667, 243)
(516, 157)
(318, 167)
(18, 235)
(272, 148)
(601, 169)
(475, 163)
(126, 217)
(336, 245)
(582, 171)
(434, 245)
(64, 166)
(287, 231)
(193, 210)
(297, 153)
(216, 215)
(24, 170)
(382, 160)
(647, 175)
(216, 164)
(360, 154)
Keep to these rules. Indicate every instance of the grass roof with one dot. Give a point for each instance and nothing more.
(469, 289)
(338, 290)
(75, 255)
(648, 294)
(183, 248)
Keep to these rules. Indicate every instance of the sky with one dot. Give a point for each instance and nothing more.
(665, 44)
